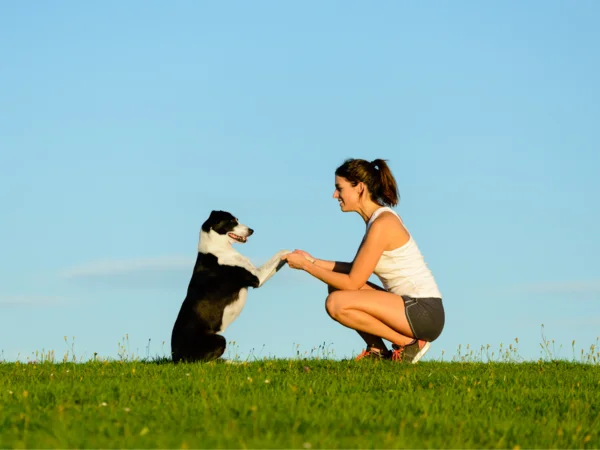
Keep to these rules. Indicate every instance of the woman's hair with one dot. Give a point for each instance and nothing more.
(376, 175)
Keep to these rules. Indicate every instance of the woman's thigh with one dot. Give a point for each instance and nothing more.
(386, 307)
(367, 287)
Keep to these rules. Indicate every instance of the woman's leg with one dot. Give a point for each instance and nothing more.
(371, 340)
(373, 312)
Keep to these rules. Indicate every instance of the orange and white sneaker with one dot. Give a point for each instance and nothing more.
(397, 353)
(372, 353)
(410, 353)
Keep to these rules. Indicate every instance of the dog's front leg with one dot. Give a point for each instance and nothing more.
(268, 269)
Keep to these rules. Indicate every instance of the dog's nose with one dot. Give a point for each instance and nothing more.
(250, 231)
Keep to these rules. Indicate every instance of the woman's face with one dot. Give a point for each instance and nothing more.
(347, 195)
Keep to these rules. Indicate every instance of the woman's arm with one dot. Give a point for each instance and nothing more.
(336, 266)
(360, 269)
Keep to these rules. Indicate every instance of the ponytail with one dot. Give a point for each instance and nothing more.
(388, 190)
(376, 175)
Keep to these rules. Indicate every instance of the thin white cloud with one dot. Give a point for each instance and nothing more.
(123, 267)
(565, 287)
(170, 272)
(18, 301)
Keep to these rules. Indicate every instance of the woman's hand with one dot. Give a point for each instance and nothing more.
(296, 260)
(307, 255)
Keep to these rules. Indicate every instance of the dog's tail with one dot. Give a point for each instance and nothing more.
(202, 347)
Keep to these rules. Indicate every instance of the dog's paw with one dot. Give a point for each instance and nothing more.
(281, 253)
(281, 262)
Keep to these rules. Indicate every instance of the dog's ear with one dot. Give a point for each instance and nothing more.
(213, 213)
(209, 219)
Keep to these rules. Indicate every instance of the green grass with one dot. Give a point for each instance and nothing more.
(300, 403)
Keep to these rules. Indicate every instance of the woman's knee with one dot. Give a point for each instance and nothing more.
(333, 303)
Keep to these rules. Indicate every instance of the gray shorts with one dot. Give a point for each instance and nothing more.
(425, 316)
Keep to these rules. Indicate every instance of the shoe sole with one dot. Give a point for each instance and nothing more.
(421, 353)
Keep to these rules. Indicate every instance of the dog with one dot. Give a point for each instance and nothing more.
(217, 290)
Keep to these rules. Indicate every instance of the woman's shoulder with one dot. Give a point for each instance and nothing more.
(386, 220)
(387, 217)
(390, 224)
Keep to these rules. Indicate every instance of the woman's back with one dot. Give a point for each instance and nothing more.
(403, 270)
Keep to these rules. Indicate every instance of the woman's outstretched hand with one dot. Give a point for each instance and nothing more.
(305, 254)
(298, 259)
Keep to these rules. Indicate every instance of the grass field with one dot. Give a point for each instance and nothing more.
(300, 403)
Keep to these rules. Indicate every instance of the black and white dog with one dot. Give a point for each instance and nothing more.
(217, 291)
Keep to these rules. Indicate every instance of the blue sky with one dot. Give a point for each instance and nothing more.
(124, 124)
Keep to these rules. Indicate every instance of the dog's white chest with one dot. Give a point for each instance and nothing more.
(233, 310)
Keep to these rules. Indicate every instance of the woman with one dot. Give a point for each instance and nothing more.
(408, 310)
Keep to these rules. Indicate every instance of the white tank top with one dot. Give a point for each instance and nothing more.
(403, 271)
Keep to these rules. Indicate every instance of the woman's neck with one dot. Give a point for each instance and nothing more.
(366, 211)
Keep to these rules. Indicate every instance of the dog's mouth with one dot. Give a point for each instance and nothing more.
(237, 238)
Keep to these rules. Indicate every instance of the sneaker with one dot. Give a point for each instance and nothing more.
(397, 353)
(410, 353)
(371, 353)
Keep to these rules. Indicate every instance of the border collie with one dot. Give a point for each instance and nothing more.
(217, 290)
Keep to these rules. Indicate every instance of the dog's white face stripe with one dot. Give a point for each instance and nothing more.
(240, 230)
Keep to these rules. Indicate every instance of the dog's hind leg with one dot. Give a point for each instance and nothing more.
(212, 346)
(201, 347)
